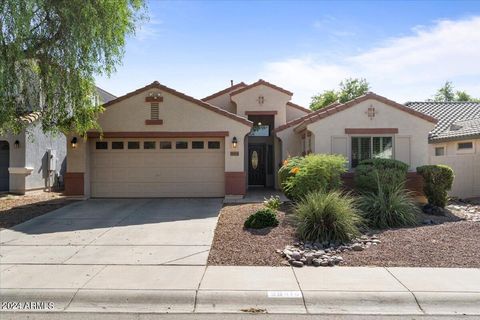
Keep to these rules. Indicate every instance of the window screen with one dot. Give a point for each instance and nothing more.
(465, 145)
(382, 147)
(133, 145)
(360, 150)
(213, 144)
(165, 145)
(364, 148)
(117, 145)
(440, 151)
(197, 144)
(101, 145)
(181, 145)
(149, 145)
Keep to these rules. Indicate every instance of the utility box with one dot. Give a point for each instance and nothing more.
(52, 160)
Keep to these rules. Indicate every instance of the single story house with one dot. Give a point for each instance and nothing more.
(158, 142)
(34, 160)
(455, 141)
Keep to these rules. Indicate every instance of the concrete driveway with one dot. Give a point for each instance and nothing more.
(116, 232)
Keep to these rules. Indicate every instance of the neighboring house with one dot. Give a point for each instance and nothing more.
(31, 160)
(158, 142)
(34, 160)
(455, 141)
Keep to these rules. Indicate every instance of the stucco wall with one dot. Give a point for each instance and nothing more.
(38, 143)
(410, 128)
(223, 101)
(294, 113)
(291, 143)
(274, 100)
(465, 165)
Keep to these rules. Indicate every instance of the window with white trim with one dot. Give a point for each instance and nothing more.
(364, 148)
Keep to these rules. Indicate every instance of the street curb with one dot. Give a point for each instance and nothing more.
(218, 301)
(449, 302)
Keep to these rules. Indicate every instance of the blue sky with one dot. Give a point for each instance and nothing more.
(405, 49)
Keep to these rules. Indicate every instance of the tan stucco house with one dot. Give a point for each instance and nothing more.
(158, 142)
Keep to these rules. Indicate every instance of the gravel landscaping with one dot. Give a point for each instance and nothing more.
(451, 240)
(15, 209)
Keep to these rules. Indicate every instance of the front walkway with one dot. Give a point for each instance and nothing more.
(257, 195)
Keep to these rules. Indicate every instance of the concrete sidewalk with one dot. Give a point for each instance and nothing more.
(215, 289)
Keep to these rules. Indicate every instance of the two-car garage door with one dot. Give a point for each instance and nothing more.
(157, 168)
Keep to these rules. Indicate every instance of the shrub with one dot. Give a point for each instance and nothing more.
(273, 202)
(285, 171)
(390, 172)
(438, 181)
(262, 219)
(390, 206)
(327, 216)
(314, 172)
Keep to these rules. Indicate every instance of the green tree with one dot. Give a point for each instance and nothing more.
(349, 89)
(50, 53)
(445, 93)
(352, 88)
(322, 100)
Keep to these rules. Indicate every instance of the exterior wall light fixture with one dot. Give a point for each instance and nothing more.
(16, 144)
(234, 142)
(74, 142)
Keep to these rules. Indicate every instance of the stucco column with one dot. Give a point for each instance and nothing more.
(76, 166)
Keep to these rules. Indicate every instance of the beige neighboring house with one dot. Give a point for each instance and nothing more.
(455, 141)
(158, 142)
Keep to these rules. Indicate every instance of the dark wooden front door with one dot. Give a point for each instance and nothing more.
(256, 165)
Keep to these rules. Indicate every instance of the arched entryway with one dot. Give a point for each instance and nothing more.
(4, 164)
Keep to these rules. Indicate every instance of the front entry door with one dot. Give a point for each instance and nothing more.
(256, 165)
(4, 164)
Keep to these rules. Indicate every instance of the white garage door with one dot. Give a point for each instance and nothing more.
(139, 168)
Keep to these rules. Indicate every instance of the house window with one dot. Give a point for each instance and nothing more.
(465, 145)
(117, 145)
(101, 145)
(149, 145)
(364, 148)
(133, 145)
(213, 144)
(197, 144)
(165, 145)
(260, 131)
(181, 145)
(439, 151)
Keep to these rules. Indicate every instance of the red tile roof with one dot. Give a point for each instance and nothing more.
(296, 106)
(226, 90)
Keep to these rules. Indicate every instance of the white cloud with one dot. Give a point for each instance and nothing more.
(149, 30)
(403, 68)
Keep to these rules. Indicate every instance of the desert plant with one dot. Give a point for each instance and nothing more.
(273, 202)
(389, 207)
(390, 172)
(327, 216)
(438, 180)
(314, 172)
(262, 219)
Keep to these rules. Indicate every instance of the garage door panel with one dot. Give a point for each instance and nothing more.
(158, 173)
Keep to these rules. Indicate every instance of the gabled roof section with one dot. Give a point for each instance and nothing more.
(157, 85)
(296, 106)
(259, 83)
(105, 96)
(457, 120)
(338, 107)
(226, 90)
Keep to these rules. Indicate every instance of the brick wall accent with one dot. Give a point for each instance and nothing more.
(235, 183)
(74, 183)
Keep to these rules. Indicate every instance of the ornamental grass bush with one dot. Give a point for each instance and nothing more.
(438, 180)
(262, 219)
(389, 171)
(314, 172)
(327, 216)
(390, 206)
